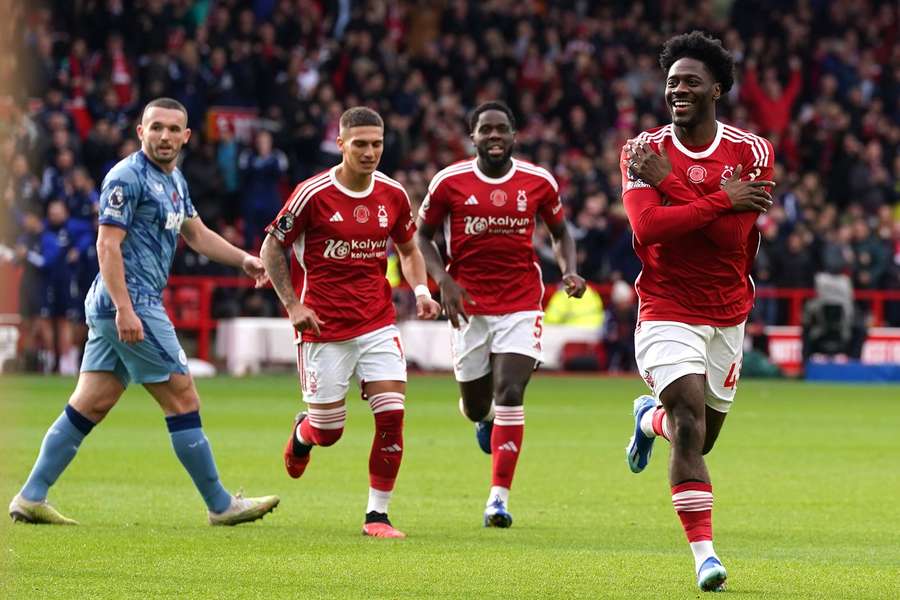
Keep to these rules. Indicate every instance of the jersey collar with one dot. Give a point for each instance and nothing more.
(348, 191)
(703, 153)
(506, 177)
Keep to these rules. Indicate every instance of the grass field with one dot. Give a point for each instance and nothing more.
(806, 481)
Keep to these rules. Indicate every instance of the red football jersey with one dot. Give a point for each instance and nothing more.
(696, 251)
(339, 257)
(488, 225)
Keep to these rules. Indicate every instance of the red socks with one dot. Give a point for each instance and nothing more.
(387, 447)
(660, 423)
(693, 501)
(506, 443)
(323, 427)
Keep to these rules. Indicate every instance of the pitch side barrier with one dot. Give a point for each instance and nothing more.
(188, 300)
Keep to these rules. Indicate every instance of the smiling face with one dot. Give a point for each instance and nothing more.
(494, 138)
(691, 92)
(362, 147)
(163, 131)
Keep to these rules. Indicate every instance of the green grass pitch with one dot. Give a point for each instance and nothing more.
(806, 481)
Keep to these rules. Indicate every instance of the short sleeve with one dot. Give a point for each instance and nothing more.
(119, 197)
(550, 204)
(293, 217)
(405, 225)
(435, 206)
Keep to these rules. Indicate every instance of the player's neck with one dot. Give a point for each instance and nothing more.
(701, 134)
(356, 182)
(494, 171)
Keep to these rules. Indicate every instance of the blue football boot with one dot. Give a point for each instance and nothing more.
(711, 576)
(483, 430)
(640, 446)
(495, 515)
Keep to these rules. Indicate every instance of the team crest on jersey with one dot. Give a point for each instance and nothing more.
(696, 173)
(382, 216)
(649, 379)
(361, 214)
(117, 197)
(521, 201)
(286, 222)
(498, 198)
(727, 173)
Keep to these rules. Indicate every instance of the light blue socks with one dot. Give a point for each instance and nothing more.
(57, 450)
(192, 449)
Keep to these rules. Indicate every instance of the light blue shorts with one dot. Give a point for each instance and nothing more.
(151, 361)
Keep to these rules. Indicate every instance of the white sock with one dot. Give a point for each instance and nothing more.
(496, 491)
(702, 551)
(378, 501)
(647, 423)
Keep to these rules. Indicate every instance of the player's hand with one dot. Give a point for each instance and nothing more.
(749, 195)
(575, 285)
(645, 163)
(302, 318)
(454, 300)
(427, 308)
(254, 268)
(129, 326)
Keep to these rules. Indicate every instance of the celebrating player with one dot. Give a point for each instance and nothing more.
(492, 288)
(693, 190)
(144, 205)
(338, 300)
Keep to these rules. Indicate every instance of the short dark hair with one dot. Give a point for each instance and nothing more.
(361, 116)
(491, 105)
(702, 47)
(169, 103)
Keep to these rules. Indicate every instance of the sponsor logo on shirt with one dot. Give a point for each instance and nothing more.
(471, 201)
(174, 220)
(336, 218)
(503, 225)
(355, 249)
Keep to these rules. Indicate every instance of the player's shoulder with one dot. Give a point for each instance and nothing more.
(130, 171)
(656, 135)
(452, 172)
(760, 148)
(307, 189)
(528, 169)
(391, 185)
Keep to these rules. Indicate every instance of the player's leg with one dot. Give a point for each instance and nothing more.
(515, 347)
(382, 368)
(724, 358)
(95, 394)
(159, 363)
(324, 370)
(472, 369)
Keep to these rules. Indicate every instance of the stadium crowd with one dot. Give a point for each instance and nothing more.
(266, 80)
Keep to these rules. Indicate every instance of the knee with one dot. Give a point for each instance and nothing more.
(509, 394)
(326, 426)
(94, 406)
(388, 409)
(475, 412)
(688, 428)
(328, 437)
(185, 400)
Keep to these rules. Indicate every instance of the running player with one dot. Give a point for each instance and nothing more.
(144, 205)
(337, 297)
(693, 190)
(492, 289)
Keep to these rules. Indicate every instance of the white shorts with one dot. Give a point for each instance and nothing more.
(474, 342)
(325, 368)
(668, 350)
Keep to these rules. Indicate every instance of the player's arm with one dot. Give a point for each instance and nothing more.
(112, 270)
(207, 242)
(413, 266)
(564, 250)
(281, 233)
(454, 297)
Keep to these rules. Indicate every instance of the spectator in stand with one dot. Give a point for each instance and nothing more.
(770, 105)
(262, 169)
(618, 329)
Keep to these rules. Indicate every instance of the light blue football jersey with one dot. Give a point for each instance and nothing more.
(150, 205)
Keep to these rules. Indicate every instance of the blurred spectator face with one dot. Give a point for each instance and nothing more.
(263, 143)
(860, 231)
(795, 243)
(494, 137)
(163, 131)
(65, 160)
(32, 223)
(57, 213)
(690, 90)
(361, 148)
(19, 166)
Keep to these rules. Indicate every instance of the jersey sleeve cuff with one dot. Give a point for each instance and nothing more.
(113, 222)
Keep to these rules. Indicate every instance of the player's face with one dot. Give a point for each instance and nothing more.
(494, 137)
(361, 148)
(690, 92)
(163, 132)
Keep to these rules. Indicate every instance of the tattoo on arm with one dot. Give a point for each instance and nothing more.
(276, 264)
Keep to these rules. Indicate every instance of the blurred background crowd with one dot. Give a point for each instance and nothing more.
(265, 82)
